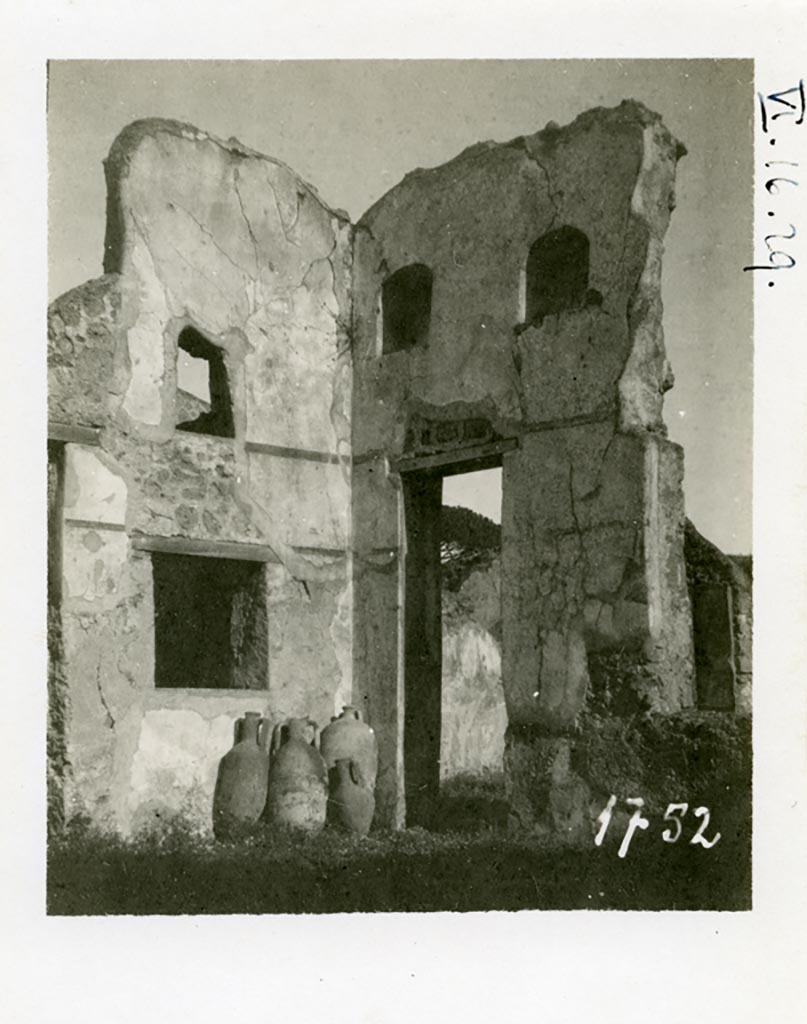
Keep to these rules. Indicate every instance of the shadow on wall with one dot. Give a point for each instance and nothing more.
(720, 589)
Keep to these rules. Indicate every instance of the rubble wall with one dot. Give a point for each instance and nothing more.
(331, 402)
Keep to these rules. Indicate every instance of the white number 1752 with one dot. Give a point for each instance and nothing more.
(674, 814)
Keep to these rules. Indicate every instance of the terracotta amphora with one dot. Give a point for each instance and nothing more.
(298, 786)
(348, 737)
(351, 804)
(241, 784)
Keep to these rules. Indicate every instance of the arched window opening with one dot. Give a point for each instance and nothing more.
(203, 388)
(406, 308)
(557, 274)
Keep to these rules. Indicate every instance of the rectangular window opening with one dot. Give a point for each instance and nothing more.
(210, 623)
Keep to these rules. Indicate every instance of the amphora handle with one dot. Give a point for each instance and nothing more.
(277, 739)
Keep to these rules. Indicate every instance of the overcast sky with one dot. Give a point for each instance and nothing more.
(354, 128)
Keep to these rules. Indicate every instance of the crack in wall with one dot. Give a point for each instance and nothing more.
(597, 486)
(299, 197)
(110, 719)
(240, 199)
(551, 591)
(516, 360)
(159, 258)
(283, 228)
(326, 258)
(195, 268)
(206, 231)
(522, 146)
(552, 195)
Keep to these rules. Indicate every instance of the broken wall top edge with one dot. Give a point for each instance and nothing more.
(133, 135)
(543, 141)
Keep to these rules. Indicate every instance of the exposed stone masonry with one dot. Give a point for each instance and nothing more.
(503, 309)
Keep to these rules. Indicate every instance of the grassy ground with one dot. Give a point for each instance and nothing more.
(473, 863)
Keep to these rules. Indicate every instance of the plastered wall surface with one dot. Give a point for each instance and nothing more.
(208, 235)
(592, 526)
(327, 421)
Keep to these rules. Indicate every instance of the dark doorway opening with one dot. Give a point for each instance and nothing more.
(210, 628)
(204, 403)
(422, 646)
(450, 659)
(713, 635)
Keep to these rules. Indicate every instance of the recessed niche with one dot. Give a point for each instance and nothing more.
(556, 273)
(406, 307)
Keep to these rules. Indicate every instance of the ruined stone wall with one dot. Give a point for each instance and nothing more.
(592, 527)
(205, 235)
(523, 329)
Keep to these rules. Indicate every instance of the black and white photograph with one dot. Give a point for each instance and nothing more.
(390, 566)
(417, 557)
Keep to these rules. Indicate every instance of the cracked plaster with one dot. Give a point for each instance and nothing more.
(206, 234)
(591, 551)
(209, 234)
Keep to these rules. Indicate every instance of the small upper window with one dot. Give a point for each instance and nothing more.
(204, 405)
(406, 308)
(557, 273)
